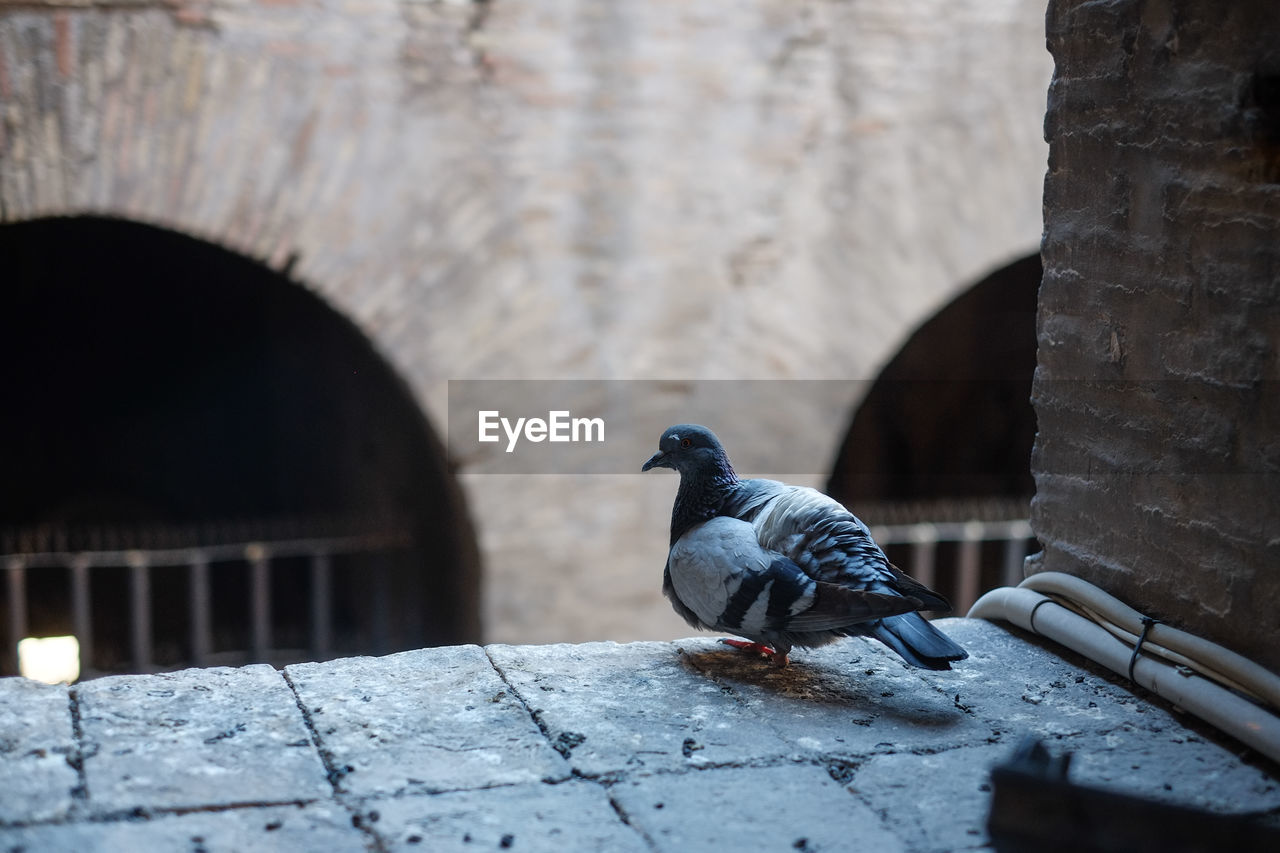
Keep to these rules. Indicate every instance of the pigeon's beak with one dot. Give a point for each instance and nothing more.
(657, 460)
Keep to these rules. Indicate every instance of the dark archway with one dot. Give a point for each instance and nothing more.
(949, 419)
(162, 392)
(938, 457)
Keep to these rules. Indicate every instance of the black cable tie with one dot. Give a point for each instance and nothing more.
(1147, 622)
(1031, 619)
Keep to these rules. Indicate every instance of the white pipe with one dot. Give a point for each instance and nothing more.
(1199, 652)
(1149, 648)
(1233, 714)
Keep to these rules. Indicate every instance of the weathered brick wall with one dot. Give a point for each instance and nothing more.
(1158, 457)
(763, 189)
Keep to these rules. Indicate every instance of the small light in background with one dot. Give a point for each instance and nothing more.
(49, 659)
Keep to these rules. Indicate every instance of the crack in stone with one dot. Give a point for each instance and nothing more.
(147, 813)
(626, 818)
(478, 748)
(334, 774)
(411, 791)
(883, 813)
(536, 716)
(80, 793)
(565, 750)
(610, 778)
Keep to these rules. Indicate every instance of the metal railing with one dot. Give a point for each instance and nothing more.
(962, 581)
(198, 561)
(945, 555)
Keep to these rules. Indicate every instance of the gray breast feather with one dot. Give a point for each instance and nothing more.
(721, 573)
(708, 564)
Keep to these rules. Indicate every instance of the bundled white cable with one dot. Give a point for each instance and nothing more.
(1201, 677)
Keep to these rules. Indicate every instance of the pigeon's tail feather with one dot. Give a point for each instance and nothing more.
(919, 643)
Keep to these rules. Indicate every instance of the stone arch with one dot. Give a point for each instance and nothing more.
(949, 417)
(162, 382)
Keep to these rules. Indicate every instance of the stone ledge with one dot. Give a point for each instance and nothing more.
(599, 746)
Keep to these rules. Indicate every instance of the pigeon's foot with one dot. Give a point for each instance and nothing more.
(779, 658)
(751, 648)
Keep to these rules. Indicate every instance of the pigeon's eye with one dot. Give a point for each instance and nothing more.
(684, 442)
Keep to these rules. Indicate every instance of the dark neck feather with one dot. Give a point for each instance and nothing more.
(702, 491)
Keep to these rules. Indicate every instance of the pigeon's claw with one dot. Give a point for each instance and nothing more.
(751, 648)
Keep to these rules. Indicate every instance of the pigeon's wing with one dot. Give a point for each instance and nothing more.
(721, 574)
(831, 545)
(835, 608)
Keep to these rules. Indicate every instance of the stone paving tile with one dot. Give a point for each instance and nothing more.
(428, 720)
(699, 748)
(940, 802)
(1175, 765)
(935, 803)
(35, 744)
(633, 707)
(316, 827)
(199, 737)
(850, 698)
(571, 816)
(1019, 684)
(783, 808)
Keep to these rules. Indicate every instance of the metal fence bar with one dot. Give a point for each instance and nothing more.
(82, 611)
(140, 611)
(321, 605)
(950, 531)
(1015, 552)
(217, 553)
(26, 550)
(968, 573)
(259, 600)
(201, 610)
(924, 555)
(16, 582)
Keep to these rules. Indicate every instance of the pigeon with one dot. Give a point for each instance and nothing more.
(784, 565)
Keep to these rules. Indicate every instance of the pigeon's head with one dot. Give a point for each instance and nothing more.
(686, 447)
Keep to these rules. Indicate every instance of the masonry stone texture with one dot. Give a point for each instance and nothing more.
(1158, 458)
(759, 189)
(652, 746)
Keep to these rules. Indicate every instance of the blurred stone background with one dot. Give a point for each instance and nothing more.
(508, 189)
